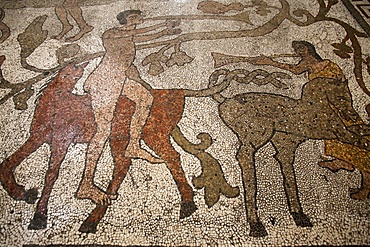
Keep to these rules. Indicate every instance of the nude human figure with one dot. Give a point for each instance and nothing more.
(116, 75)
(71, 7)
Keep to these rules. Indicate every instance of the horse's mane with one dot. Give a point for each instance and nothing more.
(44, 86)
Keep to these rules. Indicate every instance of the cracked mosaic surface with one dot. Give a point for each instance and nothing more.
(184, 123)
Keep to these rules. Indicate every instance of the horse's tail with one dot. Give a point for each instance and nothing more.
(221, 79)
(214, 89)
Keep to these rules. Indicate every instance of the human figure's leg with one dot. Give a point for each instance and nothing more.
(335, 151)
(76, 12)
(143, 102)
(87, 189)
(62, 15)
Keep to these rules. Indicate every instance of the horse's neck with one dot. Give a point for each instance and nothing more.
(61, 85)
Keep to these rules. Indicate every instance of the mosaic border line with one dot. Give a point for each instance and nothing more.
(358, 16)
(102, 245)
(96, 245)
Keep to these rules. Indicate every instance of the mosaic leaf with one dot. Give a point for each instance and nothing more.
(32, 37)
(213, 7)
(179, 58)
(343, 47)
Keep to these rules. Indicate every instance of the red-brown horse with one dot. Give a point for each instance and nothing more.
(165, 114)
(62, 118)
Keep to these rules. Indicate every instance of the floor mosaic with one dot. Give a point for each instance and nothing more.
(184, 123)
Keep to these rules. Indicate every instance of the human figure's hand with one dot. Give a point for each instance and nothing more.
(261, 60)
(172, 31)
(172, 23)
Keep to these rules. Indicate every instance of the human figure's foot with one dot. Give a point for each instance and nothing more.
(88, 191)
(139, 153)
(66, 29)
(336, 164)
(80, 34)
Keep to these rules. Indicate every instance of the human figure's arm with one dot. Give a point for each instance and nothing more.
(296, 69)
(120, 33)
(148, 37)
(170, 24)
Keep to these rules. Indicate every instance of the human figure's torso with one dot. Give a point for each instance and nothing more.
(334, 91)
(107, 79)
(328, 70)
(120, 51)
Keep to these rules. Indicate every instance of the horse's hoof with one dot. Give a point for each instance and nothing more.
(30, 196)
(257, 230)
(38, 222)
(187, 209)
(301, 219)
(88, 227)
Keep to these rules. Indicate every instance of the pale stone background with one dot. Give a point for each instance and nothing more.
(147, 210)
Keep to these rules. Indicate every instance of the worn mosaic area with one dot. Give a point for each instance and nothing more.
(184, 123)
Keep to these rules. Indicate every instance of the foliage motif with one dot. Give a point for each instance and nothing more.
(4, 29)
(157, 60)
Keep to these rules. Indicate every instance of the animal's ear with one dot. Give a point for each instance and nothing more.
(84, 64)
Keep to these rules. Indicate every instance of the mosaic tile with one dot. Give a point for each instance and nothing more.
(184, 123)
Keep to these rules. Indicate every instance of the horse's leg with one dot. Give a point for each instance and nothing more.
(160, 143)
(285, 146)
(59, 147)
(122, 165)
(246, 159)
(7, 168)
(165, 114)
(253, 132)
(118, 141)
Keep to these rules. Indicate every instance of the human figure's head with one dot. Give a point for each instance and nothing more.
(304, 48)
(130, 17)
